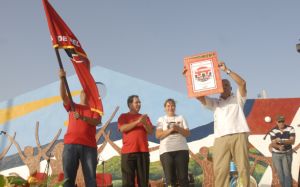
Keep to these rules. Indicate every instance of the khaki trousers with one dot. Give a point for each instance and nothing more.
(231, 147)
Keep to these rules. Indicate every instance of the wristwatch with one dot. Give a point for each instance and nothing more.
(228, 71)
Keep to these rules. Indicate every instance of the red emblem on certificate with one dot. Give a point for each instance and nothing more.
(203, 75)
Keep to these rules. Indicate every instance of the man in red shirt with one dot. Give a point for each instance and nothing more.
(79, 140)
(135, 153)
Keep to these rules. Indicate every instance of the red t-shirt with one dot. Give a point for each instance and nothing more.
(79, 131)
(135, 140)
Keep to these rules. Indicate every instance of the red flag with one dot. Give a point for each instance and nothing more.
(62, 37)
(87, 82)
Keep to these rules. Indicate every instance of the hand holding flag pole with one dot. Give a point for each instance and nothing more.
(65, 79)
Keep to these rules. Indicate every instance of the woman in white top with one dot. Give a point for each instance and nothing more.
(172, 131)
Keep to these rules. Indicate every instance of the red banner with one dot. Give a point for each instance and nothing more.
(63, 37)
(87, 82)
(61, 34)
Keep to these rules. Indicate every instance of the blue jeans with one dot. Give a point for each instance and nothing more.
(283, 166)
(72, 154)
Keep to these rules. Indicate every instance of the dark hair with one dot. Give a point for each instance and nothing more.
(130, 99)
(170, 101)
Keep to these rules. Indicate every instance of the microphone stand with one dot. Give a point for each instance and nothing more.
(47, 169)
(102, 163)
(103, 171)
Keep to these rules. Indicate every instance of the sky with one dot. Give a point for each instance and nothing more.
(149, 39)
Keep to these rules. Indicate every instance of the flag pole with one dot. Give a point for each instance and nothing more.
(64, 78)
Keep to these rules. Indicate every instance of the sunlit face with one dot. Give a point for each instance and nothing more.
(227, 89)
(135, 106)
(83, 98)
(170, 108)
(280, 124)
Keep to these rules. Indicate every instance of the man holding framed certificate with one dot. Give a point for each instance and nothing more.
(230, 129)
(202, 74)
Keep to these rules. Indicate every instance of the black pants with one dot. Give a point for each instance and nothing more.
(135, 164)
(175, 165)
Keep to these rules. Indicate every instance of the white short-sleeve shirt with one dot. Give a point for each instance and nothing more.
(229, 117)
(173, 142)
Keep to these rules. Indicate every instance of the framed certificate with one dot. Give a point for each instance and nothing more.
(203, 75)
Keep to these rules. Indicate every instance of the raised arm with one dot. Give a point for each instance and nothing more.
(62, 88)
(237, 79)
(7, 148)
